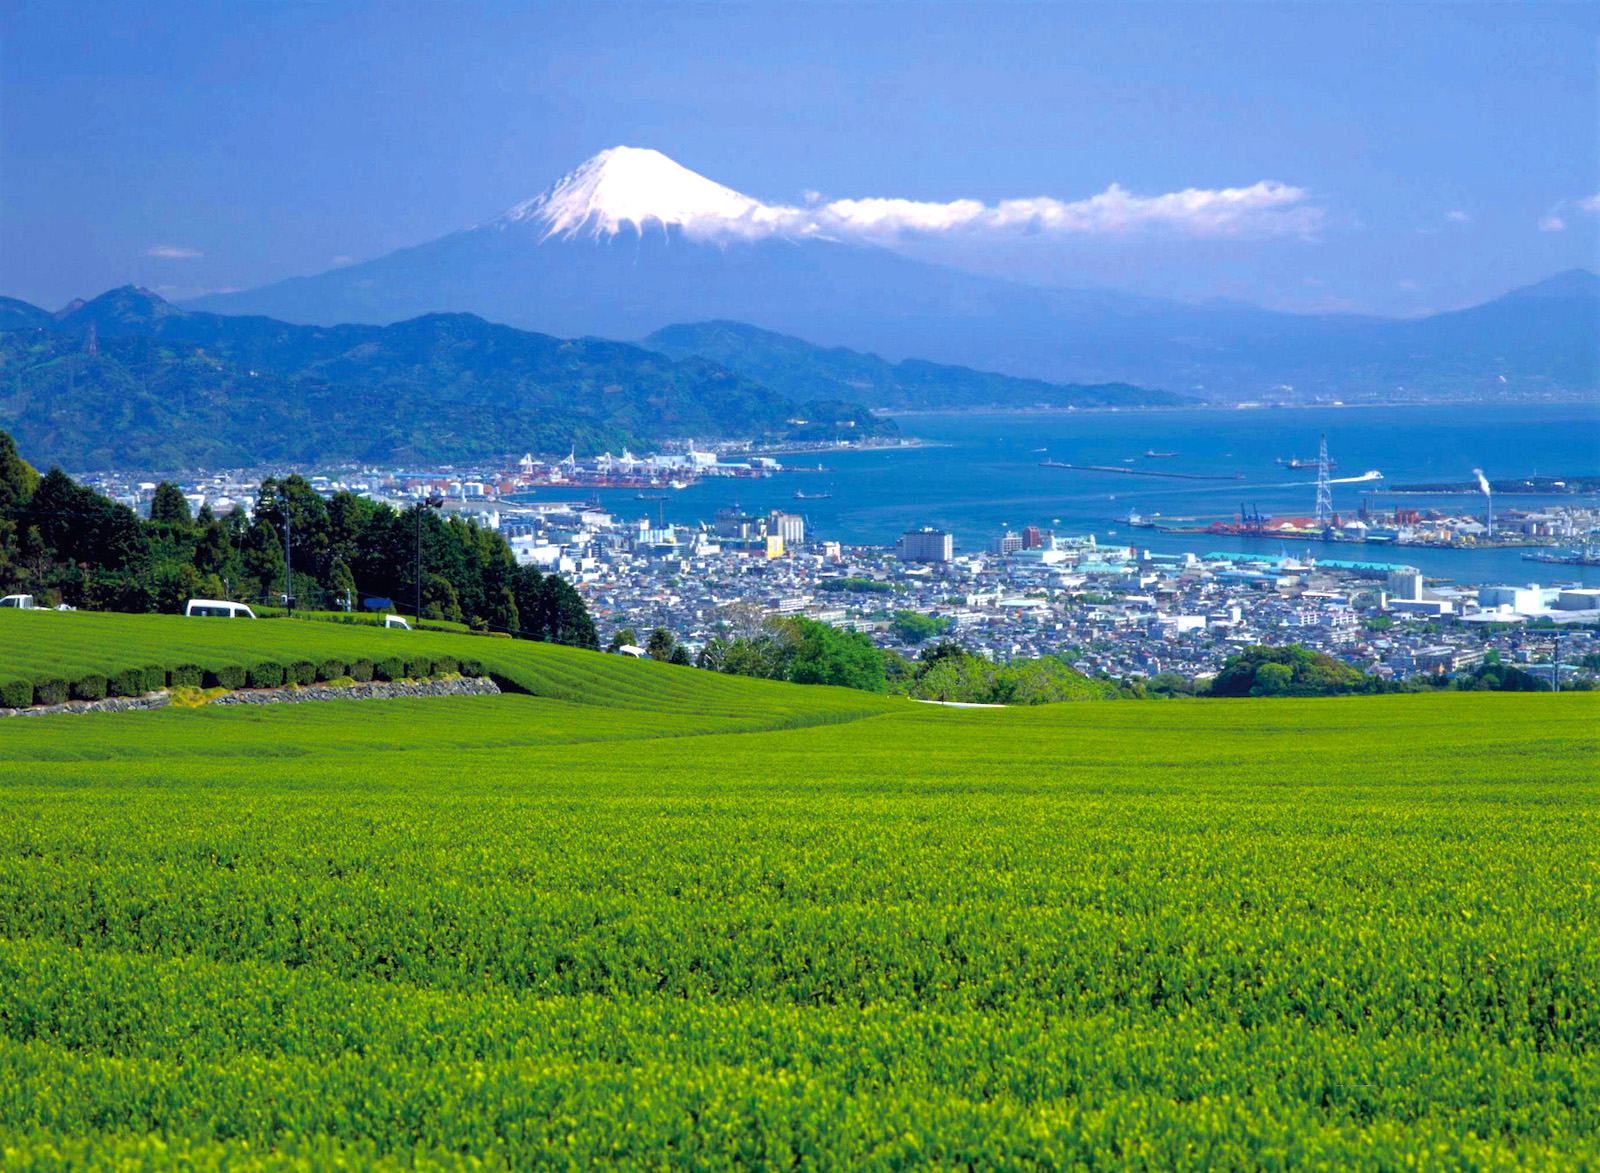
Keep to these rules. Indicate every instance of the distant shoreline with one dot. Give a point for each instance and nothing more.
(1590, 401)
(855, 446)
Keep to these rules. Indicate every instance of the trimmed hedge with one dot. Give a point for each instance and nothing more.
(267, 674)
(187, 676)
(89, 688)
(133, 682)
(128, 682)
(229, 676)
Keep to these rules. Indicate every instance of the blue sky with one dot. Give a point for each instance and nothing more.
(1428, 154)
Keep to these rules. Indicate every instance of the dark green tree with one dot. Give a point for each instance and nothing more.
(169, 506)
(660, 644)
(832, 655)
(1295, 671)
(913, 627)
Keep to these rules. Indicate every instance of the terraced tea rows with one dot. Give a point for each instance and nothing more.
(33, 644)
(692, 928)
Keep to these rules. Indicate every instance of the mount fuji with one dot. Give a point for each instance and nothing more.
(632, 242)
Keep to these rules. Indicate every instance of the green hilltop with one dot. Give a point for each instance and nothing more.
(638, 916)
(164, 388)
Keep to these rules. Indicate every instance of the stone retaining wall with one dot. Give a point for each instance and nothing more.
(375, 691)
(115, 704)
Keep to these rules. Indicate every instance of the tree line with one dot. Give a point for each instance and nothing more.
(64, 542)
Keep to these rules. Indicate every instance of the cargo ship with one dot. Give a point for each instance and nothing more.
(1586, 557)
(802, 495)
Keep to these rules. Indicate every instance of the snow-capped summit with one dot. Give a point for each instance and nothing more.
(635, 186)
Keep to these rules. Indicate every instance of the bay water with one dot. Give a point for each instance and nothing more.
(984, 476)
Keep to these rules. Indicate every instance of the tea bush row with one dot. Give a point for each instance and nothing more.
(1322, 935)
(133, 682)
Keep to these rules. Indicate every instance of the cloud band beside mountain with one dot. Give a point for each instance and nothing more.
(633, 186)
(1262, 209)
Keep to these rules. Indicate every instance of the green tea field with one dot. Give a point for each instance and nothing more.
(645, 917)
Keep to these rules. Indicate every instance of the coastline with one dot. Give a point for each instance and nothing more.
(1206, 405)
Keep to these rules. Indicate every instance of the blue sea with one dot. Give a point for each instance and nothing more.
(985, 477)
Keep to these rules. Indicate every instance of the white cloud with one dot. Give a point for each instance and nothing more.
(1262, 209)
(342, 259)
(1457, 216)
(172, 252)
(628, 185)
(1556, 219)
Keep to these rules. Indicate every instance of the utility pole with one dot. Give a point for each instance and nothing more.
(432, 501)
(288, 572)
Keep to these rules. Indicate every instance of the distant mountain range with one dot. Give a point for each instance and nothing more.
(798, 369)
(130, 381)
(631, 243)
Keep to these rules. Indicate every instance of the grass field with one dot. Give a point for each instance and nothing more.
(650, 917)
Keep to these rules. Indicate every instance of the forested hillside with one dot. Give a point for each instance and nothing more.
(62, 541)
(795, 367)
(128, 381)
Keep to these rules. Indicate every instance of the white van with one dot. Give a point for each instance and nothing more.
(23, 602)
(218, 608)
(395, 621)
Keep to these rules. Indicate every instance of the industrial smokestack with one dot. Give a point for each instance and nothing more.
(1488, 502)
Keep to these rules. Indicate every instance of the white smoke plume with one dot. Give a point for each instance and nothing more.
(1482, 482)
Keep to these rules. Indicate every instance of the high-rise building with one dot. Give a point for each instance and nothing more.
(925, 545)
(1006, 544)
(1032, 538)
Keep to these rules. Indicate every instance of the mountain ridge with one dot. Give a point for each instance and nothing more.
(170, 388)
(643, 244)
(795, 367)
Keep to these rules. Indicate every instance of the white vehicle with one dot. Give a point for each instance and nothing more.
(22, 602)
(218, 608)
(395, 621)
